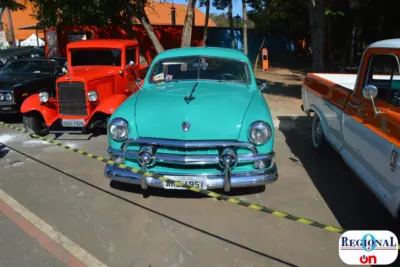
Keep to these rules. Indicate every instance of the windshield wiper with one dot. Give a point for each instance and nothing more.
(190, 97)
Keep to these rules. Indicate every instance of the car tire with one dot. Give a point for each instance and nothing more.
(34, 123)
(318, 139)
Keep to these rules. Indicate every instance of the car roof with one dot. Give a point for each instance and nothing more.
(41, 58)
(20, 50)
(388, 43)
(102, 43)
(204, 51)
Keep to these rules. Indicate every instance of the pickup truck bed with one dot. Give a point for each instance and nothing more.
(334, 88)
(345, 80)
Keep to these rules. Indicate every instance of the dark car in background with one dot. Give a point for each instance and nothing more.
(10, 54)
(21, 78)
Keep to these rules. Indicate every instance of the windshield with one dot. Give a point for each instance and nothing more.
(202, 68)
(30, 66)
(98, 57)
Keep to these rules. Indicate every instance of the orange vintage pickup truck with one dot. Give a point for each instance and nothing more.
(359, 116)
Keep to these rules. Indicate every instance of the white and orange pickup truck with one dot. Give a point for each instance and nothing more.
(359, 116)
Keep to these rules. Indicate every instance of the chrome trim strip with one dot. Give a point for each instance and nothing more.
(214, 181)
(189, 144)
(191, 159)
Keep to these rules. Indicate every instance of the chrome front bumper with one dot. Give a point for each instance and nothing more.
(267, 173)
(214, 181)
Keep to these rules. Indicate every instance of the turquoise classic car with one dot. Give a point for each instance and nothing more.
(199, 118)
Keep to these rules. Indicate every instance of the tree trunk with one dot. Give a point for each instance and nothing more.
(244, 27)
(206, 23)
(317, 14)
(258, 55)
(11, 28)
(343, 61)
(232, 36)
(187, 27)
(144, 20)
(353, 39)
(152, 35)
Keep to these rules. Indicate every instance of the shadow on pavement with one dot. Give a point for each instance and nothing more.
(159, 192)
(3, 150)
(11, 118)
(352, 203)
(249, 249)
(281, 89)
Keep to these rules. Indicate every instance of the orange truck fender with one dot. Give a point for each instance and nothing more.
(33, 104)
(110, 104)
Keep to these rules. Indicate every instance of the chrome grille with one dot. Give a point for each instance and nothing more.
(72, 98)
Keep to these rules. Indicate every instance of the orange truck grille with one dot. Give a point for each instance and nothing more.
(72, 99)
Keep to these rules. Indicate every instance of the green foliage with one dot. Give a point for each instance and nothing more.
(13, 5)
(281, 17)
(329, 12)
(85, 12)
(222, 20)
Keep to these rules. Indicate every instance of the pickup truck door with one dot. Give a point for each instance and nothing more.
(371, 138)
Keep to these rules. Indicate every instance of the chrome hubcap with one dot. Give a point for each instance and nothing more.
(317, 133)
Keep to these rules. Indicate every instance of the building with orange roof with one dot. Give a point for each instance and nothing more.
(159, 13)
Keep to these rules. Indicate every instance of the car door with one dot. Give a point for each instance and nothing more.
(369, 136)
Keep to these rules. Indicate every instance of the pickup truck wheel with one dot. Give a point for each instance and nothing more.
(34, 123)
(318, 137)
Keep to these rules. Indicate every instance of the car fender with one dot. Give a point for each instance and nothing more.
(109, 105)
(49, 110)
(323, 119)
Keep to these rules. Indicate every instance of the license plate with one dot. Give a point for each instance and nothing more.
(73, 123)
(199, 182)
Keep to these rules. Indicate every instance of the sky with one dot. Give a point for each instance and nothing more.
(237, 7)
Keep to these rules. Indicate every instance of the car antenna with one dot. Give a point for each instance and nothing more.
(190, 97)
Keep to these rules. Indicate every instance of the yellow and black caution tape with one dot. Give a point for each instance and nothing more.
(233, 200)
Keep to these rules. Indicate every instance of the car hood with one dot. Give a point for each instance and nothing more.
(216, 113)
(8, 80)
(90, 73)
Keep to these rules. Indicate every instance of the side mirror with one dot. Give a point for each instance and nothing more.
(263, 86)
(370, 92)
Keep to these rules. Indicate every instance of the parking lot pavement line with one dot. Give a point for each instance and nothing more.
(302, 220)
(54, 241)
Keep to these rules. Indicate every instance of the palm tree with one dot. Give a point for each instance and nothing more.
(187, 27)
(11, 5)
(244, 26)
(232, 37)
(316, 12)
(205, 35)
(8, 6)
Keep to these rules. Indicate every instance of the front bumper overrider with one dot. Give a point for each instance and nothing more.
(224, 179)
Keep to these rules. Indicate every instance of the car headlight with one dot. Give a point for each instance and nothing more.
(9, 97)
(118, 129)
(92, 95)
(260, 132)
(1, 97)
(44, 97)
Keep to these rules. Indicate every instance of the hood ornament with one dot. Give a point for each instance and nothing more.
(186, 126)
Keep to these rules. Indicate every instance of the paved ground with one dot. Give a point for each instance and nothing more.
(57, 209)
